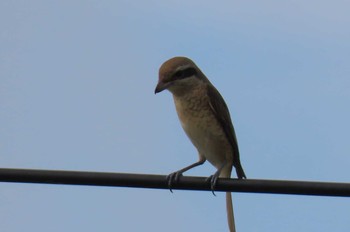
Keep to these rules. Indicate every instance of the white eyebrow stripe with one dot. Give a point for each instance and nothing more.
(183, 67)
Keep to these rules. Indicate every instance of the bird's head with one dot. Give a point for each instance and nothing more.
(178, 75)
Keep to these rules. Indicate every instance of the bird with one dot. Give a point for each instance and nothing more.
(206, 120)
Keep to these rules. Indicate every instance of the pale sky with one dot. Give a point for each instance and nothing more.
(77, 83)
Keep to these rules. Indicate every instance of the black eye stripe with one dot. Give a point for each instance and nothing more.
(182, 74)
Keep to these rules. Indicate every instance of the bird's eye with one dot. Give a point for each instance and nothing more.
(182, 74)
(179, 74)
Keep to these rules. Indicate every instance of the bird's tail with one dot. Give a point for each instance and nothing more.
(230, 215)
(226, 173)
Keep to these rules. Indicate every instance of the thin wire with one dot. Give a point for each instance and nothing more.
(185, 183)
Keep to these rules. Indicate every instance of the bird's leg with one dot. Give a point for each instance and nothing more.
(174, 177)
(213, 179)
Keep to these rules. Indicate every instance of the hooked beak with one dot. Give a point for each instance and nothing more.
(161, 86)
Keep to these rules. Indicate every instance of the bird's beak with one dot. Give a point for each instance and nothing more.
(161, 86)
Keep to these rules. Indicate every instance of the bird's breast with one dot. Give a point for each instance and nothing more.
(202, 128)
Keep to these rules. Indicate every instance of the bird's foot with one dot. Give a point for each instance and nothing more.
(173, 178)
(213, 179)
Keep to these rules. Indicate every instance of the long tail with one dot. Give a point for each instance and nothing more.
(226, 173)
(230, 215)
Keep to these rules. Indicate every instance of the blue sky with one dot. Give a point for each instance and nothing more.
(77, 83)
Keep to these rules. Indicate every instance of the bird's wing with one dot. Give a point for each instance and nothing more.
(221, 112)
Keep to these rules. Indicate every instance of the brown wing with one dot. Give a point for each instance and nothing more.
(220, 110)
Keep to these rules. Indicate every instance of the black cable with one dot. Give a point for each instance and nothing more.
(185, 182)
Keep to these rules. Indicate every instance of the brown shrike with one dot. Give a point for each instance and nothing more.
(206, 120)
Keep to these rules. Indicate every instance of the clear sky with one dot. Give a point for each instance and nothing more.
(77, 83)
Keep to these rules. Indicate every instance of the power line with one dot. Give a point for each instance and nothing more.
(185, 182)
